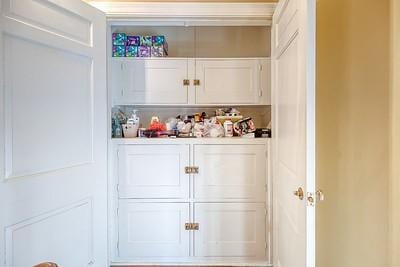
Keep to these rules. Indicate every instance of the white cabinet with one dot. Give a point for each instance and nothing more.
(153, 230)
(230, 230)
(150, 81)
(153, 171)
(230, 172)
(227, 198)
(188, 81)
(232, 81)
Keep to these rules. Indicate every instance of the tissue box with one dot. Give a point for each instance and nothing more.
(131, 51)
(146, 41)
(119, 39)
(144, 51)
(159, 51)
(133, 40)
(158, 40)
(118, 51)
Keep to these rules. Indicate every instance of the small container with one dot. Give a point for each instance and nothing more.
(119, 38)
(131, 51)
(133, 40)
(146, 40)
(228, 127)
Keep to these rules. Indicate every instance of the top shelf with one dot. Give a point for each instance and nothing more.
(209, 42)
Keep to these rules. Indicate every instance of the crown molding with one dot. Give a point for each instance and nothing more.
(260, 12)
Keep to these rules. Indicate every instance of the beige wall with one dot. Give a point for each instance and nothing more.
(395, 137)
(352, 132)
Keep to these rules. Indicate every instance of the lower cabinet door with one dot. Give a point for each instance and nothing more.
(230, 172)
(230, 230)
(153, 171)
(153, 230)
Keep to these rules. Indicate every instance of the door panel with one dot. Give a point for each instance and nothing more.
(53, 133)
(153, 171)
(230, 172)
(153, 230)
(153, 81)
(228, 81)
(293, 113)
(230, 230)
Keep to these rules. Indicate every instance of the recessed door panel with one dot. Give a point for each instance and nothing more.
(153, 171)
(230, 230)
(153, 230)
(230, 172)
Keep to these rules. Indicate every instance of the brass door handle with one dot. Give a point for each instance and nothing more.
(299, 193)
(196, 82)
(320, 196)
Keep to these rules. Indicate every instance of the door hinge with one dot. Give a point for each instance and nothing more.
(266, 245)
(260, 67)
(191, 226)
(117, 211)
(191, 170)
(310, 199)
(118, 188)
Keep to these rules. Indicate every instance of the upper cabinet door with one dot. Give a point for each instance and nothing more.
(150, 81)
(293, 113)
(53, 133)
(232, 81)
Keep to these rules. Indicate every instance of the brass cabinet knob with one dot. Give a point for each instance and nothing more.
(196, 82)
(299, 193)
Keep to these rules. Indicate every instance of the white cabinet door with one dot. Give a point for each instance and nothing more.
(293, 117)
(232, 81)
(153, 230)
(153, 171)
(150, 81)
(53, 133)
(230, 172)
(230, 230)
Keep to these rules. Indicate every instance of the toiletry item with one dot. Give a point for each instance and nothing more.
(158, 40)
(119, 39)
(118, 51)
(228, 127)
(132, 126)
(158, 51)
(118, 130)
(144, 51)
(146, 40)
(131, 51)
(133, 40)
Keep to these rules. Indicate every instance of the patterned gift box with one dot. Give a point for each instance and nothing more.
(144, 51)
(118, 51)
(119, 38)
(131, 51)
(146, 41)
(159, 51)
(158, 40)
(133, 40)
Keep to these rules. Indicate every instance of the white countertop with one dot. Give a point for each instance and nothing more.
(217, 141)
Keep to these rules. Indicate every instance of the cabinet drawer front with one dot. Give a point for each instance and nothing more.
(227, 81)
(154, 81)
(153, 171)
(230, 230)
(230, 172)
(153, 230)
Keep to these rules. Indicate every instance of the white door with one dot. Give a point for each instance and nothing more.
(232, 81)
(153, 171)
(230, 231)
(152, 230)
(293, 49)
(150, 81)
(53, 134)
(230, 172)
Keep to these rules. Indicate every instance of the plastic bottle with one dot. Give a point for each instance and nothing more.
(228, 127)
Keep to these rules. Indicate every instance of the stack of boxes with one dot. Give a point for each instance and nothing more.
(139, 46)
